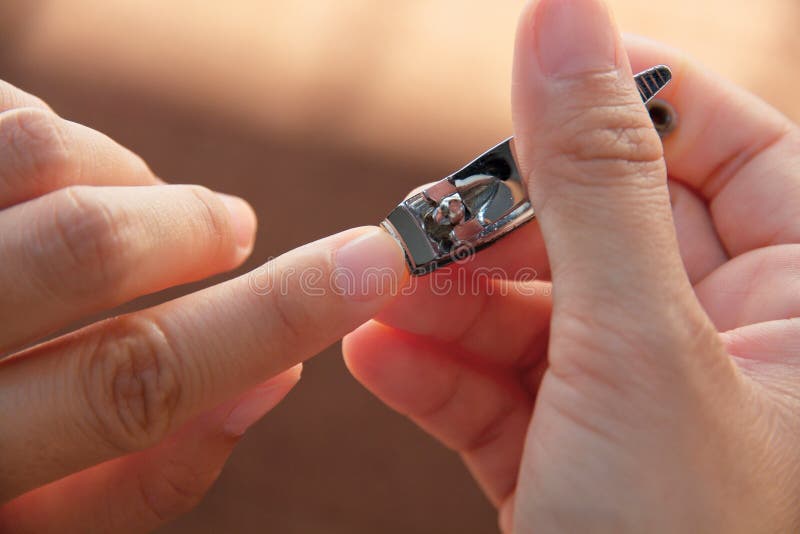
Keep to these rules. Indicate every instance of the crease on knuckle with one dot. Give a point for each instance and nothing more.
(488, 432)
(175, 489)
(446, 398)
(215, 224)
(605, 427)
(131, 384)
(438, 406)
(596, 351)
(40, 150)
(291, 317)
(482, 434)
(90, 238)
(652, 358)
(617, 134)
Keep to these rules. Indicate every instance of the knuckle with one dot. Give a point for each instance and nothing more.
(440, 403)
(658, 346)
(175, 489)
(488, 431)
(581, 360)
(615, 132)
(89, 237)
(293, 319)
(212, 216)
(609, 136)
(39, 151)
(131, 384)
(289, 318)
(212, 213)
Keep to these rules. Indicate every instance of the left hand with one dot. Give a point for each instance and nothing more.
(125, 424)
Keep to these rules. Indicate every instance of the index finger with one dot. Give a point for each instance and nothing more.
(122, 385)
(741, 155)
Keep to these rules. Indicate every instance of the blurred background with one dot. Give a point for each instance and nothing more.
(343, 105)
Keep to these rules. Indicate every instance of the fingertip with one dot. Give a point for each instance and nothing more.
(294, 373)
(402, 370)
(524, 70)
(525, 25)
(243, 223)
(505, 516)
(257, 402)
(567, 54)
(371, 265)
(359, 348)
(575, 37)
(583, 135)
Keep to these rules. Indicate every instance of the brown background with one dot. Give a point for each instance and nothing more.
(323, 114)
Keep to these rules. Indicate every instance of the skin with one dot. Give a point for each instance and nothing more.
(124, 425)
(649, 380)
(646, 382)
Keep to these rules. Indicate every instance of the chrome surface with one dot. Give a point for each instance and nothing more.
(478, 204)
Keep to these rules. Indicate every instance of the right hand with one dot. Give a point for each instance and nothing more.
(648, 383)
(123, 425)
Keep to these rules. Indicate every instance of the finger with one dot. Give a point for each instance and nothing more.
(84, 249)
(758, 286)
(11, 97)
(738, 152)
(142, 491)
(698, 242)
(41, 152)
(768, 353)
(122, 385)
(596, 173)
(478, 314)
(482, 416)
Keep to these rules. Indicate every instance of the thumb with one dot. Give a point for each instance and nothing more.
(594, 163)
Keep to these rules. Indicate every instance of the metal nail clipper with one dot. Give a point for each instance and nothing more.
(477, 205)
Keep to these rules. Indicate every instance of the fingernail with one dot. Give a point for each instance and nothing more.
(243, 221)
(257, 402)
(575, 37)
(369, 266)
(506, 516)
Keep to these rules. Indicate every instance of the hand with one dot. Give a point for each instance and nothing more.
(123, 425)
(658, 389)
